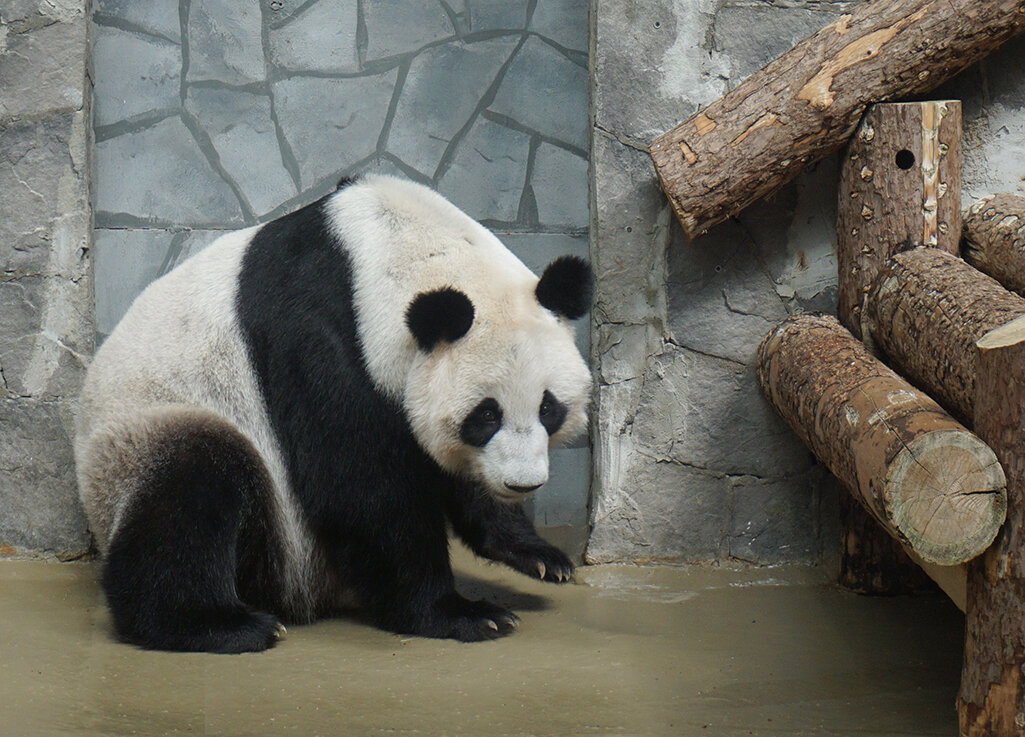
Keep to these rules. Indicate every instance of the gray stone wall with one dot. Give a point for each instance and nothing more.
(215, 114)
(690, 463)
(46, 323)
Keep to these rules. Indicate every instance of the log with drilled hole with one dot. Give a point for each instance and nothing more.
(927, 309)
(900, 187)
(929, 482)
(994, 238)
(804, 105)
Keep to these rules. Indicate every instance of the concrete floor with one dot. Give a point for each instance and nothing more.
(624, 651)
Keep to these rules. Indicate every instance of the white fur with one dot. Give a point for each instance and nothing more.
(405, 239)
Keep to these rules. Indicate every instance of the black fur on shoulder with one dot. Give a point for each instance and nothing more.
(566, 287)
(443, 314)
(345, 182)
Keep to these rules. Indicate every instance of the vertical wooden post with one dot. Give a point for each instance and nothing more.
(992, 698)
(900, 187)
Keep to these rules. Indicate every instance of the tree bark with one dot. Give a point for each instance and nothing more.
(927, 310)
(994, 239)
(932, 484)
(991, 702)
(804, 105)
(900, 187)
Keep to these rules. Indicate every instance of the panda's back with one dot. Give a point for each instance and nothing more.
(179, 343)
(179, 350)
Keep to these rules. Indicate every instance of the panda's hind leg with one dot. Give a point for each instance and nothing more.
(172, 566)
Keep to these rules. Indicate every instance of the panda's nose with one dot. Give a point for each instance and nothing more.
(523, 489)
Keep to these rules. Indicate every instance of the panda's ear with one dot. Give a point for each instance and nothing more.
(442, 314)
(566, 287)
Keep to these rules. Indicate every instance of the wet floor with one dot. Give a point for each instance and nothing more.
(624, 651)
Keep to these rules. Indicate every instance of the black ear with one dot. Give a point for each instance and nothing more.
(444, 314)
(566, 287)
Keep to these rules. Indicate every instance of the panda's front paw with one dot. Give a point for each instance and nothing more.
(547, 563)
(472, 621)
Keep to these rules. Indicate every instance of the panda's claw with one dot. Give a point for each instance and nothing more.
(546, 563)
(470, 621)
(280, 633)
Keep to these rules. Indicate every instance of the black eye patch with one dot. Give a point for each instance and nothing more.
(481, 424)
(552, 413)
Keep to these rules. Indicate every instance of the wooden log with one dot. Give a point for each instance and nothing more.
(931, 483)
(994, 239)
(804, 105)
(927, 310)
(900, 187)
(991, 702)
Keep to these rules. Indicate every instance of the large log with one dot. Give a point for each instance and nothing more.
(927, 310)
(931, 483)
(994, 239)
(805, 104)
(991, 702)
(900, 187)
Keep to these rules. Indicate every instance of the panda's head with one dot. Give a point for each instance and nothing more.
(498, 380)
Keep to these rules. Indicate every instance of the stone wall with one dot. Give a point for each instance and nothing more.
(211, 115)
(46, 313)
(216, 114)
(690, 463)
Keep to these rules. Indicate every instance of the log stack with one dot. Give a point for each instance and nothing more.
(914, 469)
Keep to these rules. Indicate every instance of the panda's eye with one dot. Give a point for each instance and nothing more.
(481, 423)
(552, 413)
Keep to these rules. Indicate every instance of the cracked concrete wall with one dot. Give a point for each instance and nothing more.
(46, 313)
(690, 462)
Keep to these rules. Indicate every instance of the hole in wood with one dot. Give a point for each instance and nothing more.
(905, 159)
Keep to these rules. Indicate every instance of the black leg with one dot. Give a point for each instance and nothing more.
(502, 532)
(170, 573)
(393, 552)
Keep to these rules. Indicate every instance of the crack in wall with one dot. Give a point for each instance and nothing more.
(122, 24)
(627, 141)
(486, 99)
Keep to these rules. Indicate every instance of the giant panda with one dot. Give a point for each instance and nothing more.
(288, 423)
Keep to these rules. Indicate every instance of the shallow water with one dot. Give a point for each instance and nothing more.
(624, 651)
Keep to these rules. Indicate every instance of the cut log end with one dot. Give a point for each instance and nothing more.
(947, 495)
(1006, 335)
(930, 483)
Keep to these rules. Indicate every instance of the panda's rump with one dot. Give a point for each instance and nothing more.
(181, 450)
